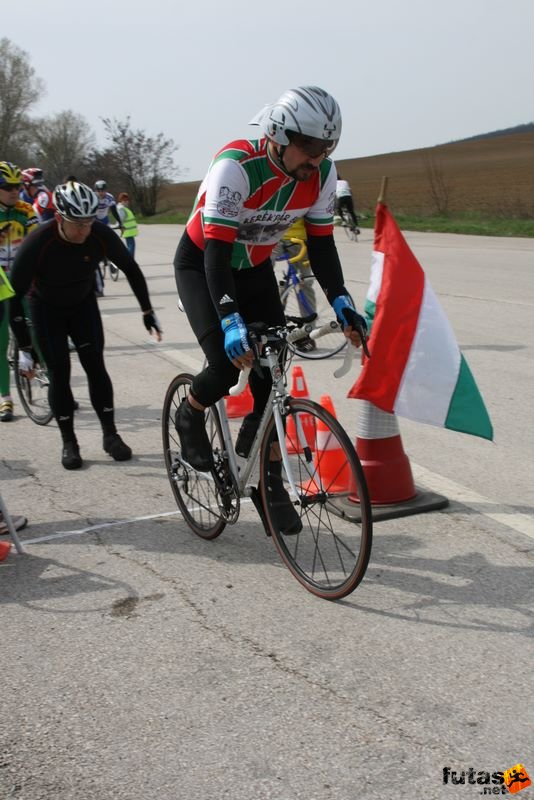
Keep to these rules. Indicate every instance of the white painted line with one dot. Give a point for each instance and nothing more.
(184, 360)
(92, 528)
(504, 515)
(102, 525)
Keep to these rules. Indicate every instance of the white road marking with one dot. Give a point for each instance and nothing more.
(92, 528)
(102, 525)
(505, 515)
(185, 361)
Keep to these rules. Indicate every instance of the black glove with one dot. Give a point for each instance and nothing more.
(151, 322)
(355, 320)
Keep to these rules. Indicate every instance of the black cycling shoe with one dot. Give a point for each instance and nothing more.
(246, 434)
(284, 512)
(190, 425)
(116, 448)
(70, 455)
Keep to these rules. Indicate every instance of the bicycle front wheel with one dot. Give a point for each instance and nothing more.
(195, 492)
(329, 556)
(33, 392)
(296, 309)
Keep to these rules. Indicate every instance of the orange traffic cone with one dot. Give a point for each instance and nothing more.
(385, 464)
(241, 405)
(299, 389)
(5, 547)
(330, 463)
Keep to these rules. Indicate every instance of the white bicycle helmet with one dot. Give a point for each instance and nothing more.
(100, 185)
(75, 201)
(307, 110)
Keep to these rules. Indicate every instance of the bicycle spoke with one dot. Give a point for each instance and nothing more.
(330, 553)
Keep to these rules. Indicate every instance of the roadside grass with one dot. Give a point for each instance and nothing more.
(165, 218)
(469, 223)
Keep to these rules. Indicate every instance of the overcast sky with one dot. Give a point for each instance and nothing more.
(406, 73)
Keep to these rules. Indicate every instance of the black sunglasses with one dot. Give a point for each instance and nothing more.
(312, 147)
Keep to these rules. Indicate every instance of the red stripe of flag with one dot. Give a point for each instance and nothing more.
(397, 312)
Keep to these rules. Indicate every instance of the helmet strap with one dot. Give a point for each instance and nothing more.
(279, 150)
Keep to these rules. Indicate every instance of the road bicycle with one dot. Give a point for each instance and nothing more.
(32, 392)
(347, 223)
(320, 470)
(303, 308)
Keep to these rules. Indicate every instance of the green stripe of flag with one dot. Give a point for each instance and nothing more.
(467, 412)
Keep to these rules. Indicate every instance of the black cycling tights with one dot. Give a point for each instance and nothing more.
(258, 300)
(53, 325)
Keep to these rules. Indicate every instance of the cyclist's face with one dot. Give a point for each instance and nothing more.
(76, 232)
(9, 194)
(298, 164)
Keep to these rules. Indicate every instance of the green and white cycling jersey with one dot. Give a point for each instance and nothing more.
(246, 199)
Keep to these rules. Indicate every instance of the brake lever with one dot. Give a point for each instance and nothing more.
(362, 330)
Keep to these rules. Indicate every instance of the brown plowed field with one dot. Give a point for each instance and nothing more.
(494, 176)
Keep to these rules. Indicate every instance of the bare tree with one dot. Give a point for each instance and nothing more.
(62, 143)
(20, 89)
(439, 186)
(143, 163)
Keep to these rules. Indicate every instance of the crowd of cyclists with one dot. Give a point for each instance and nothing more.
(52, 244)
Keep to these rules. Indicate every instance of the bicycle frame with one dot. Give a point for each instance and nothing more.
(274, 407)
(293, 280)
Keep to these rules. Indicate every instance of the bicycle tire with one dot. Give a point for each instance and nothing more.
(113, 271)
(329, 556)
(326, 346)
(195, 493)
(33, 392)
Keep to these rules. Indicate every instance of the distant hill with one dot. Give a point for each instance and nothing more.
(491, 173)
(527, 128)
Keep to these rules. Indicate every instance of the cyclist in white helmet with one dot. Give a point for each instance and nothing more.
(253, 192)
(106, 206)
(55, 265)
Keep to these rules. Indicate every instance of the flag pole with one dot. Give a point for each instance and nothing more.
(383, 190)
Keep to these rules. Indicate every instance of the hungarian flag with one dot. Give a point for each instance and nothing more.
(416, 369)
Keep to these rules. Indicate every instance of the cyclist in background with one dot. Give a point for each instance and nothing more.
(17, 219)
(129, 222)
(344, 200)
(253, 192)
(58, 261)
(106, 206)
(36, 193)
(304, 271)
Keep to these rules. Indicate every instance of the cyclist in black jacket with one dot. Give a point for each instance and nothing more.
(56, 266)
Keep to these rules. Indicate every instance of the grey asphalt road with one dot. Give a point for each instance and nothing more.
(138, 661)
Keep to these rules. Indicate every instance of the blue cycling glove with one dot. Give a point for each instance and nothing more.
(235, 336)
(346, 313)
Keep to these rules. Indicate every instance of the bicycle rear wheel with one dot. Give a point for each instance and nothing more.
(33, 392)
(295, 308)
(331, 553)
(195, 492)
